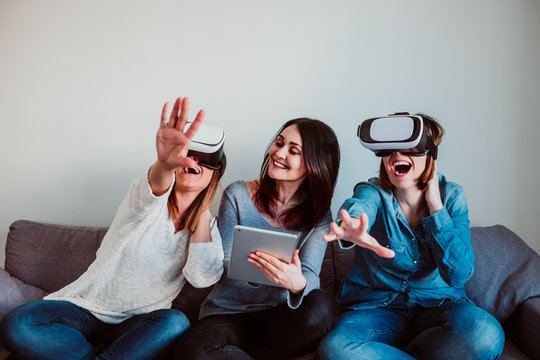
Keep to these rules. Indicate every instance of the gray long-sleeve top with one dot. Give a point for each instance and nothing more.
(234, 296)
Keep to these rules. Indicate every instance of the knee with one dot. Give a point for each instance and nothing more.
(173, 322)
(485, 336)
(320, 310)
(16, 326)
(332, 344)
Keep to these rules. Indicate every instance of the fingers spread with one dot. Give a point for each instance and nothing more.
(364, 223)
(190, 133)
(174, 114)
(182, 120)
(164, 112)
(384, 252)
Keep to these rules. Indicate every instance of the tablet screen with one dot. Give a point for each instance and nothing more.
(249, 239)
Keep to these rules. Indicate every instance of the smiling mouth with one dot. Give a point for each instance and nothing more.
(191, 170)
(401, 168)
(279, 165)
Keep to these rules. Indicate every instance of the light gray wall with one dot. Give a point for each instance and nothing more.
(82, 84)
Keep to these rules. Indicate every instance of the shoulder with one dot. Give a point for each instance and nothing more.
(451, 189)
(453, 194)
(236, 188)
(370, 187)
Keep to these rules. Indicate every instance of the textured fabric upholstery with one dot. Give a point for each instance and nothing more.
(42, 258)
(50, 256)
(507, 271)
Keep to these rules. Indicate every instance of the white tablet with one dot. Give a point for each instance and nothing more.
(247, 240)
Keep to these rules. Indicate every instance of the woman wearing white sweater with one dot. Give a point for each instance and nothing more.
(162, 236)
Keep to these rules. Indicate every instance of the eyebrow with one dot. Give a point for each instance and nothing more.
(290, 142)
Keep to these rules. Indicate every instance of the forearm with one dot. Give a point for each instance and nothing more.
(450, 242)
(160, 177)
(311, 256)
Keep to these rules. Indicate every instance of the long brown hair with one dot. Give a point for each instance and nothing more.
(321, 153)
(436, 131)
(201, 202)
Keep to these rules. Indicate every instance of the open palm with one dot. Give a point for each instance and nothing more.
(171, 142)
(355, 231)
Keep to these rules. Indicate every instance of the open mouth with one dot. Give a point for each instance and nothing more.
(401, 167)
(191, 170)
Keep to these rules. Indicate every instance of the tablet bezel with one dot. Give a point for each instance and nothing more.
(249, 239)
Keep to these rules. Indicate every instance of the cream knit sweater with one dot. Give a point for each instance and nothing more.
(142, 265)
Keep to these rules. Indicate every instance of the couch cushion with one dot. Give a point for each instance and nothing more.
(14, 292)
(506, 271)
(50, 256)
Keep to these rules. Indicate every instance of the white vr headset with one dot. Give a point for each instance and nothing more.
(399, 131)
(207, 145)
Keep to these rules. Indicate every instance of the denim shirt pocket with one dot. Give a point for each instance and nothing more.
(399, 259)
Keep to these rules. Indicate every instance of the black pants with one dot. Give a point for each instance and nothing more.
(277, 333)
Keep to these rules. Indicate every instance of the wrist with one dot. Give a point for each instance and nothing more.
(300, 288)
(434, 207)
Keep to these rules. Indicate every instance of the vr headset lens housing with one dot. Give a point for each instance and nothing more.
(384, 135)
(207, 146)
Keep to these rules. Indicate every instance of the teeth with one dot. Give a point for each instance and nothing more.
(401, 167)
(279, 165)
(401, 163)
(189, 170)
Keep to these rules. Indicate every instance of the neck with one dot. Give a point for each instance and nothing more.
(412, 203)
(184, 200)
(286, 191)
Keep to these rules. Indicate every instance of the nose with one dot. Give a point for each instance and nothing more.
(194, 158)
(281, 152)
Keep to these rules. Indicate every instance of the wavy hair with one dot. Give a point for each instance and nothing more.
(321, 155)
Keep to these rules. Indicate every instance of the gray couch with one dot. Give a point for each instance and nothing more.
(41, 258)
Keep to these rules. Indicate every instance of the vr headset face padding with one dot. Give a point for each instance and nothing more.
(396, 132)
(207, 145)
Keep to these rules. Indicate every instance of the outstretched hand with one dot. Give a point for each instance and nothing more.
(171, 142)
(355, 231)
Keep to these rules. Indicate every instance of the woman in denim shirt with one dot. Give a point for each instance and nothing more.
(404, 295)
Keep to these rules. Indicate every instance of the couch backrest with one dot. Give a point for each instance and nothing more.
(507, 271)
(50, 256)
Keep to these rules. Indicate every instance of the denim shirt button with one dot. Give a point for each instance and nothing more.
(404, 282)
(414, 262)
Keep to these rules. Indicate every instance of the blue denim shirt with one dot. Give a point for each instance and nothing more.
(433, 260)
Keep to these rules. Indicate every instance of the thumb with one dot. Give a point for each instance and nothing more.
(296, 259)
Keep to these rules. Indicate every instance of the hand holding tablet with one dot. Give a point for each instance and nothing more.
(247, 240)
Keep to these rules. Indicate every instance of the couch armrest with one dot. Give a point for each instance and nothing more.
(14, 292)
(522, 328)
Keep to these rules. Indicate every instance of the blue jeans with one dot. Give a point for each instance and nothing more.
(61, 330)
(453, 330)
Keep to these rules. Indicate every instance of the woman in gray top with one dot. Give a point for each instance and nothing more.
(242, 320)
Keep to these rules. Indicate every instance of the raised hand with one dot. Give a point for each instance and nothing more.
(288, 276)
(171, 142)
(433, 194)
(355, 231)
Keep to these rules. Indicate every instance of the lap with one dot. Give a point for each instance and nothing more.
(379, 324)
(280, 330)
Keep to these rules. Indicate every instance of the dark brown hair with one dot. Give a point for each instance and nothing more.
(321, 153)
(436, 131)
(201, 202)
